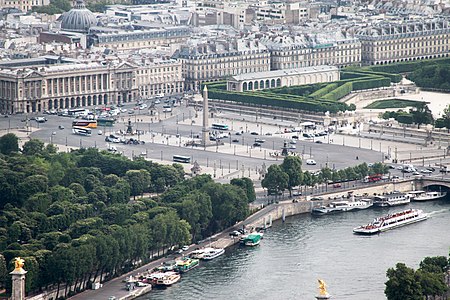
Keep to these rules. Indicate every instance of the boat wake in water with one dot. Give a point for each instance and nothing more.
(438, 212)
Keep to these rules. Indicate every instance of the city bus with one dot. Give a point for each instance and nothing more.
(82, 131)
(75, 112)
(85, 123)
(182, 159)
(105, 122)
(217, 126)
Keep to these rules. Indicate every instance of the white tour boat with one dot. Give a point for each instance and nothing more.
(338, 206)
(427, 196)
(392, 221)
(212, 253)
(392, 199)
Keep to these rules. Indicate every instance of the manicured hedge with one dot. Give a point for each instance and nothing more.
(409, 66)
(371, 83)
(300, 90)
(325, 90)
(279, 100)
(340, 92)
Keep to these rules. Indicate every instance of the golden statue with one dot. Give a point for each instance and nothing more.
(18, 263)
(322, 288)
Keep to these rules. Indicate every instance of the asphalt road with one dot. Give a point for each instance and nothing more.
(332, 155)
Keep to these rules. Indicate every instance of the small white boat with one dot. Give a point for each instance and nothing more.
(413, 194)
(392, 199)
(427, 196)
(392, 221)
(213, 253)
(340, 206)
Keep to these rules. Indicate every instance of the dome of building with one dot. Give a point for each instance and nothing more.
(78, 19)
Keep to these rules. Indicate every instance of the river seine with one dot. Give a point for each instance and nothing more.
(294, 254)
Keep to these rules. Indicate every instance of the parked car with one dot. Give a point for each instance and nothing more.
(254, 133)
(256, 144)
(235, 233)
(311, 162)
(235, 141)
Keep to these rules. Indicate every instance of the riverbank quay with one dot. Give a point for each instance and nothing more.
(277, 211)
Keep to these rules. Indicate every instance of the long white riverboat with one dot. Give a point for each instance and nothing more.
(427, 196)
(340, 206)
(392, 199)
(392, 221)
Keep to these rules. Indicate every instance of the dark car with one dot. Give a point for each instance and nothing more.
(256, 144)
(431, 169)
(318, 142)
(235, 141)
(254, 133)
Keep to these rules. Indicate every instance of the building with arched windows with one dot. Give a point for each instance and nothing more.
(28, 88)
(389, 42)
(279, 78)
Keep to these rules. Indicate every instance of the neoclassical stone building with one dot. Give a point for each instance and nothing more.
(218, 59)
(62, 86)
(307, 50)
(386, 43)
(279, 78)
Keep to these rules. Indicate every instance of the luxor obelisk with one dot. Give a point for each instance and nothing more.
(205, 128)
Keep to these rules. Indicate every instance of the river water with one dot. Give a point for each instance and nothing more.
(294, 254)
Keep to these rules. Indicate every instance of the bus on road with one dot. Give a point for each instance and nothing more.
(85, 123)
(75, 112)
(106, 122)
(217, 126)
(82, 131)
(182, 159)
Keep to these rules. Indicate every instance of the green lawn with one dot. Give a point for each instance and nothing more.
(392, 103)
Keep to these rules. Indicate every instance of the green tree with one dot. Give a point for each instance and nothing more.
(292, 166)
(139, 181)
(3, 271)
(276, 179)
(402, 284)
(247, 185)
(421, 114)
(33, 147)
(9, 143)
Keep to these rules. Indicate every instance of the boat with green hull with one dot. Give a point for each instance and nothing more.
(186, 264)
(251, 240)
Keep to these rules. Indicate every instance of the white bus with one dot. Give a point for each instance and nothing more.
(82, 131)
(182, 159)
(217, 126)
(75, 112)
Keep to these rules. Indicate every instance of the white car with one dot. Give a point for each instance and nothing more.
(292, 147)
(311, 162)
(425, 171)
(185, 248)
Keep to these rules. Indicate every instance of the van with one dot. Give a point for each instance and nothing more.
(311, 162)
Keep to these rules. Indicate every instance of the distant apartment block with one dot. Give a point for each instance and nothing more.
(23, 5)
(119, 39)
(301, 51)
(386, 43)
(218, 59)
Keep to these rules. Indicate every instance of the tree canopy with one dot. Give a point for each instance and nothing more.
(79, 211)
